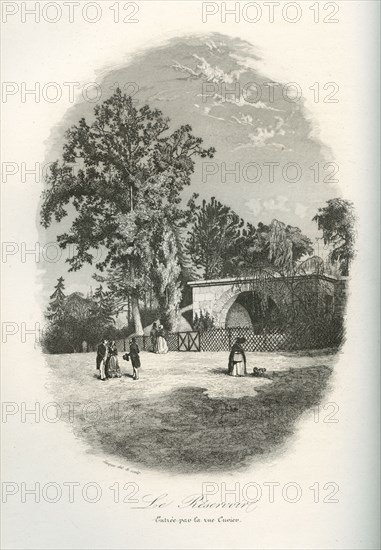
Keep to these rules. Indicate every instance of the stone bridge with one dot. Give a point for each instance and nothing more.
(237, 302)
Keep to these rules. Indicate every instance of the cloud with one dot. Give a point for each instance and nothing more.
(276, 203)
(214, 74)
(255, 206)
(251, 62)
(242, 102)
(262, 137)
(244, 119)
(207, 113)
(300, 210)
(206, 71)
(273, 204)
(238, 100)
(213, 47)
(158, 96)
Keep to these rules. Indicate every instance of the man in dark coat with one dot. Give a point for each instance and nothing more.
(101, 359)
(134, 356)
(153, 335)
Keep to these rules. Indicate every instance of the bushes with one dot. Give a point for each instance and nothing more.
(66, 335)
(203, 322)
(56, 339)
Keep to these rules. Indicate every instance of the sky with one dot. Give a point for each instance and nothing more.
(269, 161)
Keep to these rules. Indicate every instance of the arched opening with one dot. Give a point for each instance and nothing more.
(251, 309)
(238, 316)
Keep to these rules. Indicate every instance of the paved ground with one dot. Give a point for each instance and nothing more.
(185, 413)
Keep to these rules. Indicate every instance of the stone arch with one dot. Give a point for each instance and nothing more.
(276, 289)
(222, 306)
(238, 315)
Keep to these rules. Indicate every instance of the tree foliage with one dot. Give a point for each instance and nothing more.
(213, 237)
(221, 244)
(113, 171)
(203, 322)
(80, 319)
(287, 245)
(338, 222)
(57, 300)
(103, 305)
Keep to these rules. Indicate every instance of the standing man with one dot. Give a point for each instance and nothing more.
(101, 359)
(135, 359)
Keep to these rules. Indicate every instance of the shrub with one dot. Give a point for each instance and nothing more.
(203, 322)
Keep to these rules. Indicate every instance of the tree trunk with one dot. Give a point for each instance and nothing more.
(136, 315)
(135, 309)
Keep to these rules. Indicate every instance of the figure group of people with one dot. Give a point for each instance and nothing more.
(107, 359)
(107, 354)
(158, 341)
(108, 365)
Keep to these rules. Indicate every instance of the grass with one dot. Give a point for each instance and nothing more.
(185, 414)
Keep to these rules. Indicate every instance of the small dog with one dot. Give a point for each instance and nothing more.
(259, 372)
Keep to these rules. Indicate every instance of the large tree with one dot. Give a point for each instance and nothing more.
(103, 305)
(80, 319)
(287, 245)
(337, 220)
(154, 227)
(268, 248)
(57, 301)
(109, 167)
(165, 274)
(213, 236)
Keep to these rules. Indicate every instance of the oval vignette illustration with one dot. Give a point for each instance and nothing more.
(198, 307)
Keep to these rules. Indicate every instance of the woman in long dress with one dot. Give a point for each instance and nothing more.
(237, 359)
(112, 365)
(161, 345)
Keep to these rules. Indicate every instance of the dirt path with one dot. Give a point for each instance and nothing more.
(185, 413)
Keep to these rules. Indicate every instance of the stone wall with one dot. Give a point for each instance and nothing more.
(205, 297)
(218, 297)
(341, 297)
